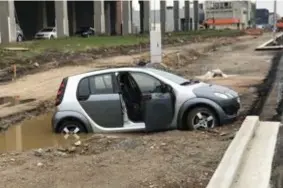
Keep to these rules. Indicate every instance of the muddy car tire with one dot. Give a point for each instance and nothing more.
(71, 127)
(200, 118)
(19, 38)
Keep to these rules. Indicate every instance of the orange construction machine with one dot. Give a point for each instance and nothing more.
(279, 25)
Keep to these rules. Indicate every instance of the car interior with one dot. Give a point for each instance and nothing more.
(135, 99)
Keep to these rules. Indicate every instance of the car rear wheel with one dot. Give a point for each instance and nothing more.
(71, 127)
(201, 118)
(19, 38)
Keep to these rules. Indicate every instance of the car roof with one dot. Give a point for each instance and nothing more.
(102, 71)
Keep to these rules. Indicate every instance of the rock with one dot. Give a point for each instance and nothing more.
(163, 144)
(48, 150)
(62, 149)
(12, 159)
(38, 152)
(39, 164)
(213, 74)
(36, 64)
(72, 149)
(78, 143)
(85, 145)
(60, 154)
(252, 89)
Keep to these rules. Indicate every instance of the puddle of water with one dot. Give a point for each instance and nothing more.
(33, 133)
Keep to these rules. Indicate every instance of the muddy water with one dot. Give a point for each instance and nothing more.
(34, 133)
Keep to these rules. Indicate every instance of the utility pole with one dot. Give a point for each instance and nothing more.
(275, 20)
(154, 15)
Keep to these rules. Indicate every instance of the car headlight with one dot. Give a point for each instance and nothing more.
(229, 95)
(221, 95)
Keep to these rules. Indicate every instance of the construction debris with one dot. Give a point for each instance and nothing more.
(216, 73)
(255, 32)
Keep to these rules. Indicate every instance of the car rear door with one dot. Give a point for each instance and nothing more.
(99, 98)
(157, 103)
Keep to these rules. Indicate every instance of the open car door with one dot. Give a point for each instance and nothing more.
(157, 102)
(158, 112)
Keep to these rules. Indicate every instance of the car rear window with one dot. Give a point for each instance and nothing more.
(101, 84)
(83, 88)
(96, 85)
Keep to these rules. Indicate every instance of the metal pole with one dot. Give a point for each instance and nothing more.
(154, 16)
(275, 20)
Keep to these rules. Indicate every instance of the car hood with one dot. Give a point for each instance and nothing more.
(208, 91)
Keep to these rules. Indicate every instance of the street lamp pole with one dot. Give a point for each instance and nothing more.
(154, 15)
(275, 20)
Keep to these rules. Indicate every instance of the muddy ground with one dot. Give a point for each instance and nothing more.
(168, 159)
(34, 97)
(50, 58)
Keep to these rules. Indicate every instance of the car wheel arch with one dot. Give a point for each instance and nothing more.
(74, 117)
(191, 104)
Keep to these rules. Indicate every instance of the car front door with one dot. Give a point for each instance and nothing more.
(157, 102)
(99, 98)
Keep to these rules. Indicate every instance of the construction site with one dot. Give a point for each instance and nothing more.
(245, 153)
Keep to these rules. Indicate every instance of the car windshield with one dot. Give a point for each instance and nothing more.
(173, 77)
(47, 30)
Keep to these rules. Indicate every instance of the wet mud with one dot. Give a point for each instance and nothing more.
(34, 133)
(276, 71)
(264, 89)
(9, 101)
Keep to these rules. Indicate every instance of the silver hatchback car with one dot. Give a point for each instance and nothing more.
(140, 98)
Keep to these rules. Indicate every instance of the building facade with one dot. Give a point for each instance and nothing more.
(170, 21)
(262, 17)
(230, 14)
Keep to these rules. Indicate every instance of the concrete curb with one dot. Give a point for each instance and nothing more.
(227, 170)
(264, 47)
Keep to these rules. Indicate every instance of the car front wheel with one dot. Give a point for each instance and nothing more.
(71, 127)
(200, 118)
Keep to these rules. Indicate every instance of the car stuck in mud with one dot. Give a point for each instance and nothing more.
(140, 98)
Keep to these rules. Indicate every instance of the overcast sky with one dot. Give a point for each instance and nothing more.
(260, 4)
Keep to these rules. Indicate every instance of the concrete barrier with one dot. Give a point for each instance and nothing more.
(247, 161)
(265, 46)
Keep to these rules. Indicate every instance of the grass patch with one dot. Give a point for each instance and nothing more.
(79, 44)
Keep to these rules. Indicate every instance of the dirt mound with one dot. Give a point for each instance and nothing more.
(253, 31)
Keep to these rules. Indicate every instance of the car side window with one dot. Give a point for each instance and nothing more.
(147, 83)
(83, 88)
(101, 84)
